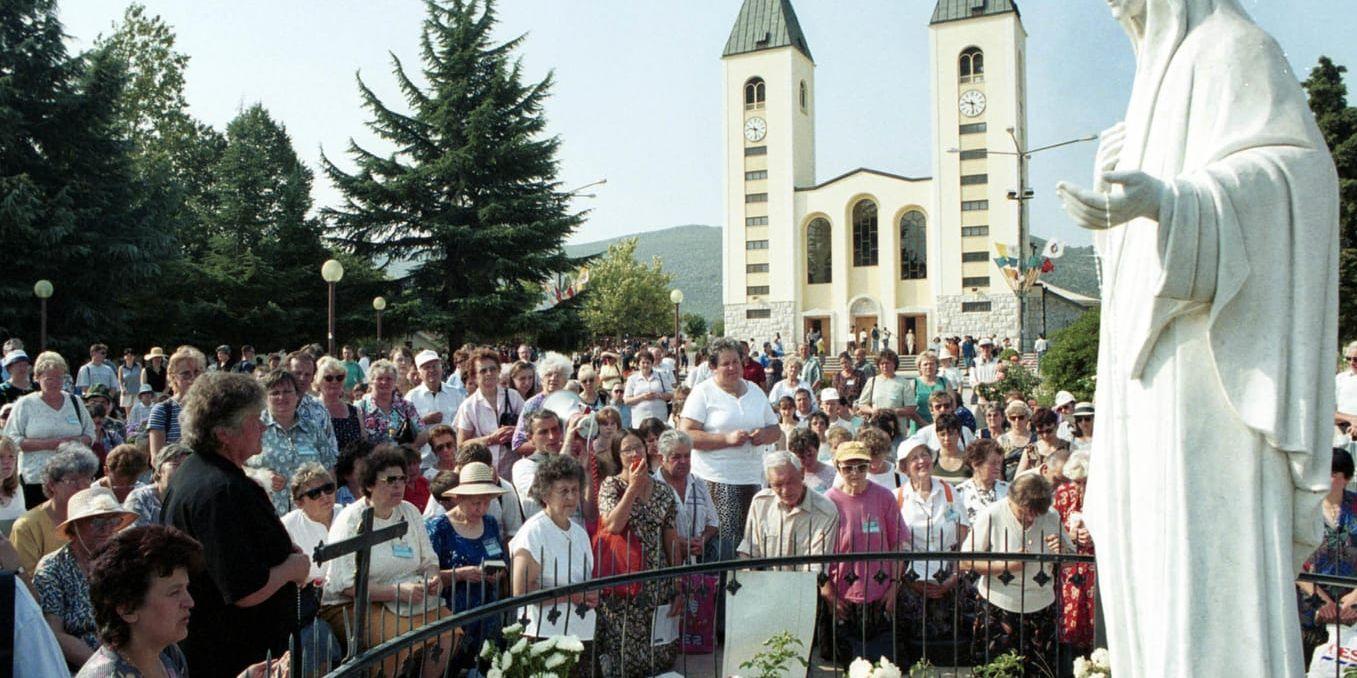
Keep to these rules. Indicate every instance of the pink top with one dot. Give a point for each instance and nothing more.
(868, 522)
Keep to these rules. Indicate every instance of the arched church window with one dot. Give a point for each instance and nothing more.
(805, 97)
(819, 252)
(754, 92)
(865, 252)
(971, 65)
(913, 246)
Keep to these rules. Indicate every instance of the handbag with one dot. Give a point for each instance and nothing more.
(616, 554)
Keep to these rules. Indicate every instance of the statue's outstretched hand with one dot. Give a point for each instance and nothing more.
(1098, 210)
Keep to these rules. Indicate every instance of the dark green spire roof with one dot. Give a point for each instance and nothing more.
(766, 24)
(956, 10)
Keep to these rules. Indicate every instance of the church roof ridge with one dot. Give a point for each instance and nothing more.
(956, 10)
(860, 170)
(766, 24)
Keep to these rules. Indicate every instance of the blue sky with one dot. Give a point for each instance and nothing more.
(638, 93)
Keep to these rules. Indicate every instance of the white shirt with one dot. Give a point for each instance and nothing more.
(928, 435)
(1345, 392)
(481, 417)
(33, 418)
(563, 557)
(427, 402)
(405, 559)
(698, 374)
(997, 529)
(524, 473)
(36, 652)
(781, 389)
(696, 511)
(638, 384)
(933, 522)
(1040, 346)
(307, 534)
(720, 412)
(822, 478)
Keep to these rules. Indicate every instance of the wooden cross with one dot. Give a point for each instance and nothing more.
(360, 544)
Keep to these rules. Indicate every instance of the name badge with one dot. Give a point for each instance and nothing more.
(73, 421)
(491, 548)
(871, 526)
(850, 382)
(306, 451)
(402, 550)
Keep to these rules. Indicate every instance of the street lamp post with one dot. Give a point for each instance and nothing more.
(331, 272)
(1024, 193)
(676, 298)
(379, 305)
(42, 290)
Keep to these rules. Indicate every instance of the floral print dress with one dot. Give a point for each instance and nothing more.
(1336, 555)
(624, 641)
(383, 426)
(1076, 580)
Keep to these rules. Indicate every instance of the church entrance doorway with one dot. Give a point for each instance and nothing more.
(862, 331)
(919, 325)
(819, 325)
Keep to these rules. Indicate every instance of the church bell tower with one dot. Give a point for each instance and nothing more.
(769, 138)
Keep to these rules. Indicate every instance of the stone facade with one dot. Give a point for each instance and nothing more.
(781, 320)
(1050, 312)
(1001, 319)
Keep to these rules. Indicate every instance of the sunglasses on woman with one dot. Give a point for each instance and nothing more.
(332, 378)
(853, 468)
(316, 492)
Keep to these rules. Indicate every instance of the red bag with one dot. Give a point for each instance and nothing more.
(616, 554)
(699, 614)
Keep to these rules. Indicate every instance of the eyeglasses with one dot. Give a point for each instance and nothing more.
(327, 488)
(104, 524)
(1018, 418)
(332, 378)
(853, 468)
(393, 480)
(1352, 358)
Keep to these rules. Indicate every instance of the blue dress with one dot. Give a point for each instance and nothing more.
(456, 551)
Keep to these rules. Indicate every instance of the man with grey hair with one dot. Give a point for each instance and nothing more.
(787, 518)
(696, 521)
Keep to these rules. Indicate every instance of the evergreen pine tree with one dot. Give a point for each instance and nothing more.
(470, 194)
(1338, 122)
(71, 209)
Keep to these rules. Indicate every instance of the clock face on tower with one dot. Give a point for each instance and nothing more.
(972, 103)
(755, 129)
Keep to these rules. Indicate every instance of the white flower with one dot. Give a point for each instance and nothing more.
(1080, 667)
(487, 650)
(555, 660)
(543, 646)
(506, 661)
(519, 647)
(512, 629)
(1101, 658)
(570, 644)
(860, 668)
(887, 670)
(494, 673)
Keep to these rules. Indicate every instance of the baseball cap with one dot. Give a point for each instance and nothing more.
(852, 451)
(829, 394)
(15, 356)
(424, 357)
(1063, 398)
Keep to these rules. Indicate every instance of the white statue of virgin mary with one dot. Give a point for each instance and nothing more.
(1216, 203)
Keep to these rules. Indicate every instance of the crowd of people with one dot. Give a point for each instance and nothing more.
(164, 510)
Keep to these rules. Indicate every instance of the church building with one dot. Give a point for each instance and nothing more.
(872, 248)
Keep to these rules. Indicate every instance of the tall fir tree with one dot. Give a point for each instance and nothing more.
(1338, 122)
(70, 201)
(470, 195)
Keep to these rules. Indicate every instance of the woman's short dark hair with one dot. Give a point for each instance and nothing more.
(888, 423)
(554, 468)
(274, 378)
(651, 427)
(121, 574)
(947, 422)
(1031, 491)
(978, 452)
(1342, 463)
(889, 356)
(349, 456)
(442, 430)
(786, 401)
(820, 416)
(876, 440)
(720, 345)
(1044, 416)
(218, 400)
(126, 461)
(803, 440)
(475, 452)
(382, 458)
(444, 481)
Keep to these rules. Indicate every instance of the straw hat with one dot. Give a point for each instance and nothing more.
(156, 352)
(852, 451)
(92, 503)
(475, 479)
(1083, 410)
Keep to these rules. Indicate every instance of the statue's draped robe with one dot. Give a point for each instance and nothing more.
(1218, 338)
